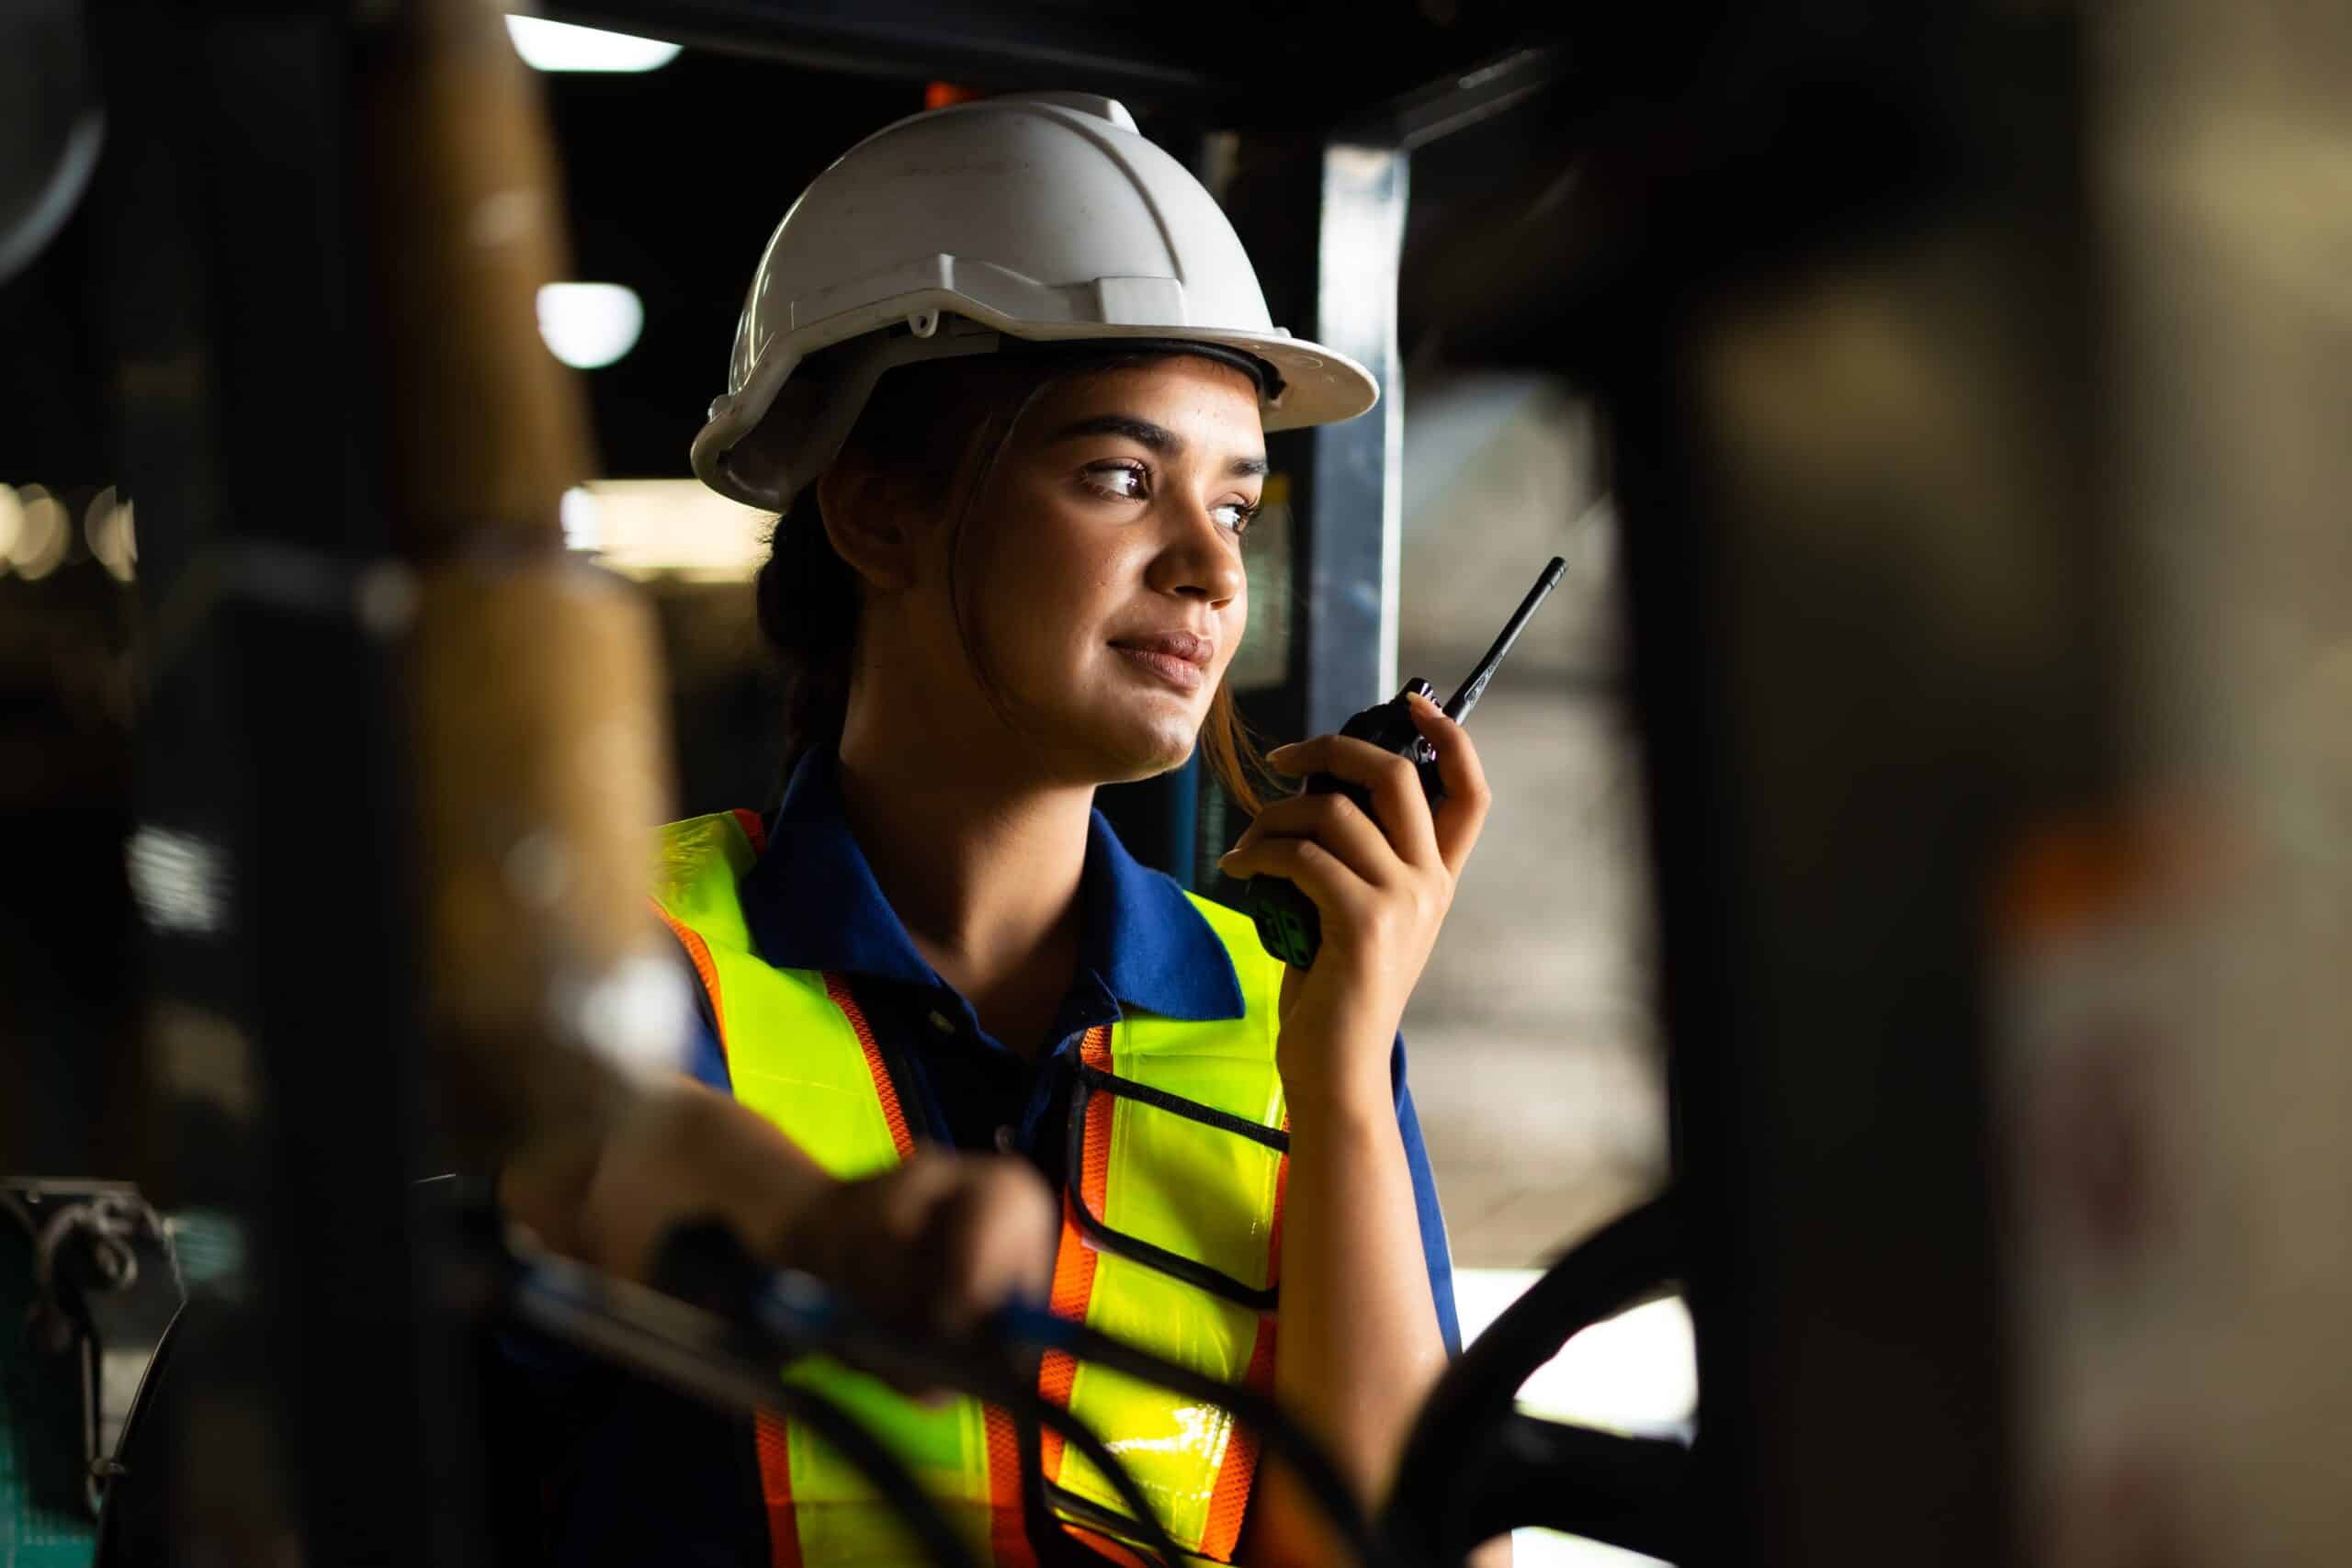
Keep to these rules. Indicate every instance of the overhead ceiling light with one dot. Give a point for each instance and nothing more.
(582, 520)
(180, 880)
(589, 324)
(44, 532)
(107, 526)
(11, 525)
(559, 46)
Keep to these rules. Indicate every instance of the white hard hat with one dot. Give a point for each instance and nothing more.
(1045, 216)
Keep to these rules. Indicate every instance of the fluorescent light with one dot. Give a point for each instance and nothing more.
(559, 46)
(583, 520)
(589, 324)
(180, 880)
(108, 528)
(677, 528)
(43, 533)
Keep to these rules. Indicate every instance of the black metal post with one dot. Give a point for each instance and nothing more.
(1862, 679)
(318, 1402)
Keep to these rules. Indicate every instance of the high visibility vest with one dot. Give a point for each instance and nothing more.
(1172, 1233)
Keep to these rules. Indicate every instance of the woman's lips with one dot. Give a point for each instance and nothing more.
(1182, 662)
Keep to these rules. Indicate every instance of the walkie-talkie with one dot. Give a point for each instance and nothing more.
(1288, 922)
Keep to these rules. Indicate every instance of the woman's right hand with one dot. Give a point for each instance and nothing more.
(1382, 880)
(935, 1244)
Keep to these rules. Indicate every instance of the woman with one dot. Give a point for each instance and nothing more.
(1005, 373)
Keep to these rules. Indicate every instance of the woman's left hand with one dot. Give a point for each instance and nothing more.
(1382, 884)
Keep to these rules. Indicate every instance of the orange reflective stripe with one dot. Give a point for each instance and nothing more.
(1116, 1552)
(900, 1138)
(1058, 1369)
(704, 969)
(1074, 1260)
(775, 1488)
(1008, 1527)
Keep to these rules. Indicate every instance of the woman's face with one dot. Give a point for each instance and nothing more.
(1104, 562)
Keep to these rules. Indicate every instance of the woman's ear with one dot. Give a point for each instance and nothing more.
(870, 527)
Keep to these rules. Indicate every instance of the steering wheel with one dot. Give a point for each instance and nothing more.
(1476, 1467)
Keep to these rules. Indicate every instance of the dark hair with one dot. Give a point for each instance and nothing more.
(941, 426)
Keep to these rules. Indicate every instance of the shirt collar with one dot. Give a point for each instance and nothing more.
(811, 903)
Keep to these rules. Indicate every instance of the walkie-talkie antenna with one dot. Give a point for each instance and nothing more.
(1458, 706)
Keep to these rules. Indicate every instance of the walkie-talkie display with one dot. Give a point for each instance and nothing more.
(1288, 922)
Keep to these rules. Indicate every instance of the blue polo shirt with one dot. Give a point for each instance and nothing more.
(634, 1474)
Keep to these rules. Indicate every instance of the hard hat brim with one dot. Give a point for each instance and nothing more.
(1319, 384)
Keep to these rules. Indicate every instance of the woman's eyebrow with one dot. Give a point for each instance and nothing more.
(1158, 437)
(1144, 433)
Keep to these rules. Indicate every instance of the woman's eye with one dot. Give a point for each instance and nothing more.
(1123, 480)
(1236, 515)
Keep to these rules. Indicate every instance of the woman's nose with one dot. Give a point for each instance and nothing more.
(1200, 561)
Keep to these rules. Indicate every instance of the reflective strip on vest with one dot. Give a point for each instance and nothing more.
(799, 1052)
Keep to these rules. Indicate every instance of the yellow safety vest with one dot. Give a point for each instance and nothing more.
(1172, 1233)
